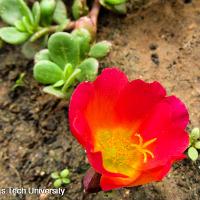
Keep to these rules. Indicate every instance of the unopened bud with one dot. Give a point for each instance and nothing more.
(86, 23)
(91, 181)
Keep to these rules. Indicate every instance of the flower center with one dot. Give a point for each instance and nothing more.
(122, 151)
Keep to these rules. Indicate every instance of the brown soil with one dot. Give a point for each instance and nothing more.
(160, 41)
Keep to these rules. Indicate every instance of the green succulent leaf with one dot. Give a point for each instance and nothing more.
(197, 145)
(57, 183)
(27, 25)
(64, 173)
(36, 13)
(42, 55)
(47, 10)
(89, 69)
(59, 83)
(79, 8)
(193, 153)
(12, 36)
(84, 38)
(20, 26)
(13, 10)
(10, 11)
(195, 134)
(64, 48)
(47, 72)
(100, 49)
(26, 11)
(70, 81)
(55, 175)
(60, 13)
(65, 180)
(54, 91)
(114, 2)
(68, 70)
(117, 8)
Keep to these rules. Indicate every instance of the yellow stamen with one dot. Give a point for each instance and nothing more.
(141, 147)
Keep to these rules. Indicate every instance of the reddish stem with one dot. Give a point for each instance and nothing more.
(94, 13)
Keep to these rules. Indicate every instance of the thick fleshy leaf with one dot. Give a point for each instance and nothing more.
(47, 10)
(59, 84)
(84, 38)
(193, 153)
(64, 48)
(117, 8)
(100, 49)
(20, 26)
(47, 72)
(36, 13)
(10, 11)
(195, 134)
(55, 175)
(42, 55)
(64, 173)
(114, 2)
(79, 8)
(13, 10)
(197, 145)
(60, 13)
(12, 36)
(89, 69)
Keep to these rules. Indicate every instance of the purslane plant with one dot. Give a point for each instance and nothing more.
(131, 131)
(60, 178)
(193, 153)
(31, 24)
(69, 59)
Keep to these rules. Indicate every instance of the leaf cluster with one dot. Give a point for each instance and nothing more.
(194, 144)
(70, 58)
(25, 23)
(60, 178)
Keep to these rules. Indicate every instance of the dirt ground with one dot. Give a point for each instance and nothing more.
(159, 41)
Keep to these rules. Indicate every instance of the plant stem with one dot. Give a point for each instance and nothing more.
(94, 13)
(70, 25)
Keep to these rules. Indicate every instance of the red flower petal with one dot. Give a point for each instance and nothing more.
(137, 100)
(78, 124)
(167, 124)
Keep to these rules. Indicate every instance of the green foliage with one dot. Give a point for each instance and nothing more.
(100, 49)
(47, 10)
(79, 8)
(60, 12)
(60, 178)
(118, 6)
(19, 82)
(194, 144)
(63, 49)
(12, 36)
(29, 24)
(66, 63)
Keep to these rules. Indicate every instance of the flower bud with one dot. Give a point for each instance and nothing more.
(86, 23)
(91, 181)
